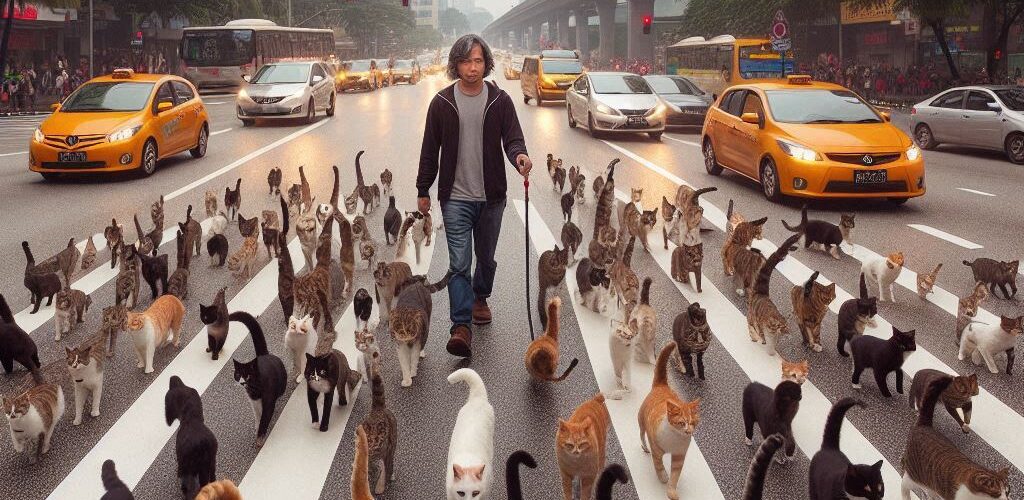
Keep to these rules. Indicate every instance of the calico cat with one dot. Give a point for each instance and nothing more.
(386, 177)
(381, 429)
(89, 256)
(215, 317)
(572, 239)
(795, 372)
(984, 342)
(285, 269)
(387, 278)
(746, 264)
(557, 173)
(611, 474)
(85, 367)
(362, 306)
(764, 321)
(366, 344)
(32, 416)
(513, 486)
(307, 286)
(156, 327)
(754, 487)
(128, 280)
(692, 336)
(71, 306)
(644, 321)
(242, 262)
(925, 282)
(592, 286)
(605, 200)
(567, 202)
(410, 322)
(580, 446)
(217, 248)
(305, 229)
(688, 259)
(993, 272)
(577, 186)
(15, 344)
(114, 234)
(832, 475)
(854, 316)
(360, 486)
(114, 487)
(667, 422)
(210, 201)
(968, 308)
(471, 450)
(327, 373)
(263, 379)
(550, 272)
(195, 446)
(773, 412)
(542, 354)
(739, 239)
(274, 178)
(620, 348)
(415, 227)
(218, 224)
(669, 221)
(145, 244)
(233, 199)
(177, 284)
(957, 395)
(810, 304)
(639, 224)
(883, 272)
(934, 464)
(392, 222)
(883, 357)
(154, 269)
(602, 249)
(826, 235)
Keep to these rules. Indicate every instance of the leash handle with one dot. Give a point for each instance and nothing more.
(526, 254)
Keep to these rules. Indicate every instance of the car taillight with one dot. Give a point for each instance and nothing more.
(913, 111)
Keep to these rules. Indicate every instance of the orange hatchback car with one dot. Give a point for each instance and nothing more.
(812, 140)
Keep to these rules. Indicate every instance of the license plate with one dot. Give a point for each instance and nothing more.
(870, 176)
(71, 156)
(636, 121)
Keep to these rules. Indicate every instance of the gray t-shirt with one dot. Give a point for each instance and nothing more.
(469, 171)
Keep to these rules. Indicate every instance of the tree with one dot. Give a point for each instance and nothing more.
(8, 7)
(479, 19)
(374, 24)
(1003, 14)
(422, 37)
(709, 18)
(452, 22)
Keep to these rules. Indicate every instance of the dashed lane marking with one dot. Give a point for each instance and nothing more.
(221, 131)
(688, 143)
(14, 153)
(938, 233)
(975, 191)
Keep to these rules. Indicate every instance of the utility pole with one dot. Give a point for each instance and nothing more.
(91, 32)
(289, 12)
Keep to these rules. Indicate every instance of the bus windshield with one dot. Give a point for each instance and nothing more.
(757, 63)
(217, 47)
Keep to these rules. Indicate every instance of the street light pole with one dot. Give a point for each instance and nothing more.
(289, 12)
(90, 39)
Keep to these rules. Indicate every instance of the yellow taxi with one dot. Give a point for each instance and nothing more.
(123, 121)
(549, 75)
(361, 74)
(811, 140)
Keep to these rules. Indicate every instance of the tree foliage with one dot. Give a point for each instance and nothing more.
(710, 18)
(479, 20)
(452, 22)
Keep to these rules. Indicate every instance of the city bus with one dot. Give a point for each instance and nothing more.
(724, 61)
(219, 56)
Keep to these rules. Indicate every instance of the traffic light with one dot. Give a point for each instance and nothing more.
(998, 54)
(647, 24)
(405, 3)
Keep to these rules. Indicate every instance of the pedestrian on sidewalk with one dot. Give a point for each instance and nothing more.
(470, 125)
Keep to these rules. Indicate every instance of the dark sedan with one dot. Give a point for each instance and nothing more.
(687, 103)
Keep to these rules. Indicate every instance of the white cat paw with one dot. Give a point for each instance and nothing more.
(816, 347)
(993, 371)
(740, 292)
(423, 354)
(140, 365)
(148, 370)
(749, 441)
(407, 382)
(95, 413)
(966, 428)
(298, 380)
(960, 356)
(77, 421)
(856, 386)
(616, 395)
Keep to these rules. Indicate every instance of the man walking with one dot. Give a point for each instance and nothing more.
(470, 125)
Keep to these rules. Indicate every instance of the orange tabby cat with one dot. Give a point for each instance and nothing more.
(360, 489)
(668, 423)
(795, 372)
(157, 326)
(580, 446)
(542, 355)
(224, 489)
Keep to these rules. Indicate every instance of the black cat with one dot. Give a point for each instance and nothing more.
(217, 245)
(285, 269)
(153, 269)
(772, 410)
(824, 233)
(264, 378)
(116, 489)
(832, 475)
(15, 344)
(215, 317)
(513, 486)
(196, 446)
(854, 316)
(43, 285)
(362, 304)
(567, 202)
(392, 222)
(882, 356)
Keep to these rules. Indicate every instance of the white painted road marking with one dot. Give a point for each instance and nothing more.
(688, 143)
(15, 153)
(976, 192)
(215, 103)
(221, 131)
(938, 233)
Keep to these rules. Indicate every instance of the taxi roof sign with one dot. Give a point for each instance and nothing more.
(122, 73)
(798, 79)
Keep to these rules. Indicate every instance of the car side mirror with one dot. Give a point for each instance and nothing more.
(317, 79)
(246, 78)
(752, 118)
(54, 107)
(163, 106)
(886, 115)
(994, 107)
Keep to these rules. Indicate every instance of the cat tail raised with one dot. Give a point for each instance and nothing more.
(728, 213)
(259, 341)
(513, 485)
(110, 480)
(645, 292)
(360, 488)
(834, 422)
(931, 395)
(697, 193)
(5, 311)
(803, 222)
(472, 379)
(863, 287)
(809, 284)
(337, 186)
(441, 284)
(759, 466)
(764, 276)
(359, 170)
(661, 366)
(611, 172)
(611, 474)
(553, 307)
(138, 227)
(968, 264)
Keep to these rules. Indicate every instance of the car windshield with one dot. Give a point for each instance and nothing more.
(282, 73)
(403, 64)
(109, 96)
(669, 85)
(562, 67)
(819, 106)
(619, 84)
(1012, 98)
(360, 66)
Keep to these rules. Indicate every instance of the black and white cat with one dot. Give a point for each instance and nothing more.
(264, 379)
(854, 316)
(196, 446)
(832, 475)
(824, 234)
(882, 357)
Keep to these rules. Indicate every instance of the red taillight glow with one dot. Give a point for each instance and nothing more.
(913, 111)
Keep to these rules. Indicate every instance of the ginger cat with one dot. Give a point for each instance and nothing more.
(155, 327)
(542, 355)
(580, 446)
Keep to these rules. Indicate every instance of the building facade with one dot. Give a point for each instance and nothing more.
(426, 12)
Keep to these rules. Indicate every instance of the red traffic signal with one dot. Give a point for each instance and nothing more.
(405, 3)
(647, 24)
(998, 54)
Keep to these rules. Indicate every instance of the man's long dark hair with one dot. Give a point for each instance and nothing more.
(460, 52)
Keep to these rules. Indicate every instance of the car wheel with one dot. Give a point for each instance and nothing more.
(655, 136)
(149, 155)
(540, 100)
(898, 201)
(330, 110)
(200, 150)
(924, 138)
(710, 160)
(590, 126)
(1015, 148)
(770, 180)
(572, 121)
(310, 111)
(247, 122)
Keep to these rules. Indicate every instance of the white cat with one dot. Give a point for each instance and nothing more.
(86, 372)
(218, 224)
(301, 339)
(471, 450)
(620, 346)
(883, 273)
(984, 342)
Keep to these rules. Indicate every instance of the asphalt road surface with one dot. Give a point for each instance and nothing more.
(972, 210)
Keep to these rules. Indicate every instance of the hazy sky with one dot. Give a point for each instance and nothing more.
(497, 7)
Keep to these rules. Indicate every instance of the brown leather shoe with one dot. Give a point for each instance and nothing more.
(481, 313)
(460, 344)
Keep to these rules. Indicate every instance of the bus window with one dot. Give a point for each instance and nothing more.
(217, 48)
(758, 61)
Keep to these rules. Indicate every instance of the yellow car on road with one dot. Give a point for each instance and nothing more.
(811, 140)
(123, 121)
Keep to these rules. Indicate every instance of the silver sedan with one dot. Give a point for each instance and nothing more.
(615, 102)
(287, 90)
(990, 117)
(687, 103)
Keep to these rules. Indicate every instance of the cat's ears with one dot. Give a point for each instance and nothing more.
(878, 466)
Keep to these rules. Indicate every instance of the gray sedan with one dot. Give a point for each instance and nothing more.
(287, 90)
(990, 117)
(687, 103)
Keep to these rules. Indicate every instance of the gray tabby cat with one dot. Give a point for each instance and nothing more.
(127, 284)
(746, 263)
(177, 284)
(692, 335)
(994, 273)
(605, 201)
(572, 239)
(381, 428)
(550, 273)
(639, 223)
(71, 306)
(687, 259)
(410, 322)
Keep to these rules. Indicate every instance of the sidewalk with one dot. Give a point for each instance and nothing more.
(42, 106)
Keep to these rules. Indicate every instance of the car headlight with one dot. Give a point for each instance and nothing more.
(549, 82)
(913, 152)
(242, 94)
(797, 151)
(604, 108)
(38, 135)
(123, 134)
(656, 111)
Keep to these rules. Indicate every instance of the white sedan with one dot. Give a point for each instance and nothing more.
(615, 103)
(287, 90)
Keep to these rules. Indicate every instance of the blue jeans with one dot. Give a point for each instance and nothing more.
(470, 226)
